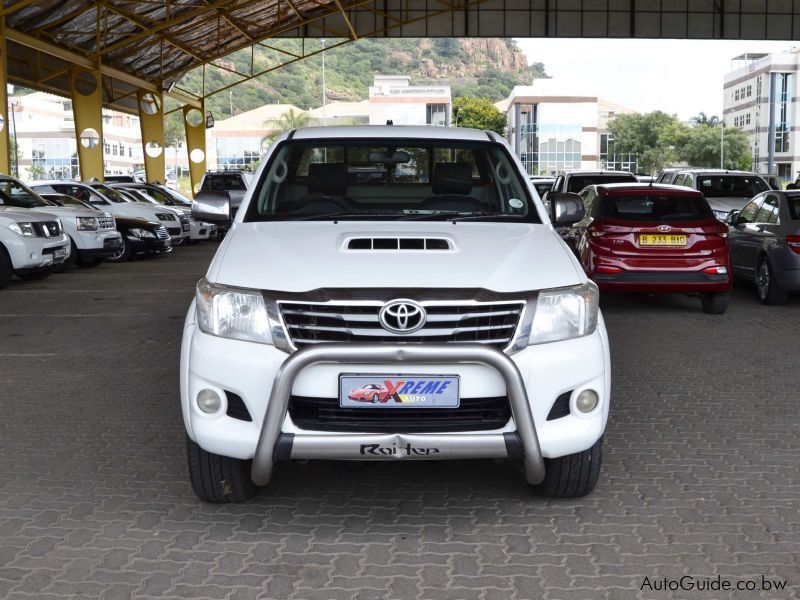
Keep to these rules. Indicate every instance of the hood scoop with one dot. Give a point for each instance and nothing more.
(398, 243)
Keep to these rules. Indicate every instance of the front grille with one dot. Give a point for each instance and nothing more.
(325, 414)
(161, 232)
(492, 323)
(47, 228)
(106, 222)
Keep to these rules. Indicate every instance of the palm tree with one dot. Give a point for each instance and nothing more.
(703, 119)
(289, 120)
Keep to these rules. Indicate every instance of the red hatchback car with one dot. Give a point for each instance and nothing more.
(654, 238)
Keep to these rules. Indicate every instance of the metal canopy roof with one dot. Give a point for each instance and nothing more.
(149, 44)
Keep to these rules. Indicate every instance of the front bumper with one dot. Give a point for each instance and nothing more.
(264, 378)
(110, 243)
(141, 246)
(349, 446)
(31, 253)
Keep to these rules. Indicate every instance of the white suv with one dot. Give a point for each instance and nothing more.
(105, 198)
(426, 311)
(32, 243)
(93, 235)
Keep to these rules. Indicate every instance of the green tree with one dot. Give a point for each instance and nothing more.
(655, 137)
(703, 143)
(479, 113)
(289, 120)
(36, 172)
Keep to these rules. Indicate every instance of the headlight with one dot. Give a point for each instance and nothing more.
(25, 229)
(565, 313)
(165, 217)
(141, 233)
(721, 214)
(232, 313)
(86, 223)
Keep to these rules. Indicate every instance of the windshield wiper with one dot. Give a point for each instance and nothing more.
(344, 214)
(443, 215)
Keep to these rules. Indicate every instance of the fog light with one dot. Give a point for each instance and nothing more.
(208, 401)
(586, 401)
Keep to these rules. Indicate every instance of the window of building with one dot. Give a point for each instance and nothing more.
(747, 119)
(736, 94)
(436, 114)
(782, 109)
(749, 90)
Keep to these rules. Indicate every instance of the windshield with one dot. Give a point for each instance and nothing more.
(578, 182)
(656, 207)
(730, 186)
(223, 181)
(64, 200)
(402, 180)
(138, 196)
(110, 193)
(13, 193)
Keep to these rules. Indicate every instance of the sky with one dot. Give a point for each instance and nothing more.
(682, 77)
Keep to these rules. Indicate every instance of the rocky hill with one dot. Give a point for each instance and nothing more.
(487, 67)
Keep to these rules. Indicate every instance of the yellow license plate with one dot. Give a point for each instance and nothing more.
(661, 239)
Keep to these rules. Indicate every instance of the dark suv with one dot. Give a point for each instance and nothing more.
(724, 190)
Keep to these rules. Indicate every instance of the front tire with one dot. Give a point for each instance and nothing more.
(6, 269)
(769, 292)
(218, 479)
(715, 304)
(123, 253)
(573, 475)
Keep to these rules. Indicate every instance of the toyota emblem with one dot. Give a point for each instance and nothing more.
(664, 228)
(402, 316)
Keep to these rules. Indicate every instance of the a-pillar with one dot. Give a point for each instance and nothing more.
(87, 109)
(151, 121)
(5, 163)
(194, 121)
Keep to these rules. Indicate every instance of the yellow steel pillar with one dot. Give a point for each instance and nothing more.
(151, 121)
(194, 122)
(87, 108)
(5, 163)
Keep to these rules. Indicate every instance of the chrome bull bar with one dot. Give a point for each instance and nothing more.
(272, 445)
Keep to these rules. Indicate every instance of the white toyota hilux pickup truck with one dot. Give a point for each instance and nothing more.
(393, 293)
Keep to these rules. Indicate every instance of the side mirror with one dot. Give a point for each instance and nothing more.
(212, 207)
(733, 217)
(567, 207)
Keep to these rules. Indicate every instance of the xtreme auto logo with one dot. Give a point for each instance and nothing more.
(414, 390)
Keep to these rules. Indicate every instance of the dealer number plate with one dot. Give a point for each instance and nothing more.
(661, 239)
(399, 391)
(61, 253)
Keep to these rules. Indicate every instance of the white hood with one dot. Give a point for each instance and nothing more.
(25, 215)
(302, 256)
(136, 210)
(67, 211)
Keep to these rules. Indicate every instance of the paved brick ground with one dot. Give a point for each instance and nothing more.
(701, 473)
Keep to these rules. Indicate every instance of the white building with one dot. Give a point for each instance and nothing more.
(552, 128)
(760, 98)
(392, 98)
(45, 133)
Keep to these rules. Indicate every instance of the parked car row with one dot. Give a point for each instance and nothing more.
(691, 236)
(52, 225)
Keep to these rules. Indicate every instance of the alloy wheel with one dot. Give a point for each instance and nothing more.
(762, 280)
